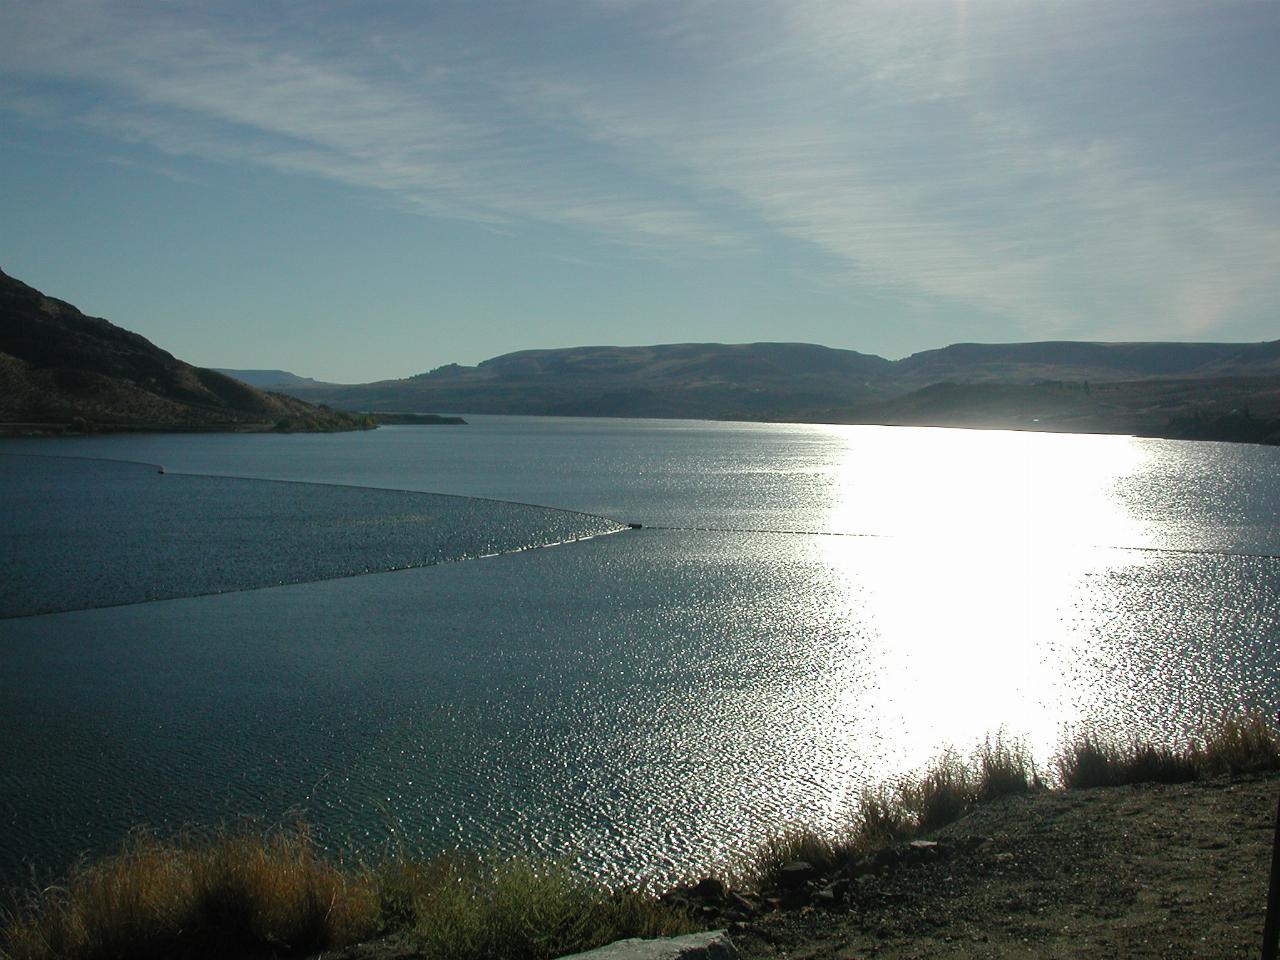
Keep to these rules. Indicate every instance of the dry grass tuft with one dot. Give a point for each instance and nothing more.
(1233, 746)
(951, 786)
(238, 894)
(1247, 745)
(1004, 769)
(945, 791)
(882, 820)
(232, 893)
(1089, 761)
(464, 909)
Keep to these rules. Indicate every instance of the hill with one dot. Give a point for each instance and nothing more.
(1184, 390)
(60, 369)
(1083, 360)
(755, 381)
(269, 379)
(63, 370)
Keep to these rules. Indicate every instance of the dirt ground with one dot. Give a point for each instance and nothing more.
(1144, 871)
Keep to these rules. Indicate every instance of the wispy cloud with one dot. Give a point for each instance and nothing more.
(189, 89)
(886, 136)
(945, 151)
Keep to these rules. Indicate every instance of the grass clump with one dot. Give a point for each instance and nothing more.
(882, 819)
(913, 806)
(228, 895)
(238, 894)
(951, 786)
(1246, 745)
(464, 909)
(1234, 746)
(1004, 770)
(765, 864)
(944, 793)
(1089, 761)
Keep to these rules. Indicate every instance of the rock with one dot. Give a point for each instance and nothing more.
(920, 850)
(742, 907)
(861, 868)
(708, 945)
(797, 897)
(796, 874)
(886, 858)
(709, 890)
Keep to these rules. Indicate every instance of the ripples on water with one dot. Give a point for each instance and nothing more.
(85, 533)
(659, 699)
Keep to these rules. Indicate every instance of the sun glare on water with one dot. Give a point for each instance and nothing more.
(974, 594)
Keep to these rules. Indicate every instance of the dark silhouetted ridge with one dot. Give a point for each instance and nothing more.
(61, 369)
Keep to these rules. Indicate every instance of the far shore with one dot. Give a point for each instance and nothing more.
(1232, 428)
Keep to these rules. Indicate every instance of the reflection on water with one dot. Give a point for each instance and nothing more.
(658, 699)
(987, 492)
(988, 552)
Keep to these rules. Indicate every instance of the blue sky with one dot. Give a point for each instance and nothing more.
(362, 190)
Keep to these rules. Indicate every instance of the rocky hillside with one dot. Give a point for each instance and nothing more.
(62, 370)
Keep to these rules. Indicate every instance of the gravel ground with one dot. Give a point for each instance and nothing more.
(1146, 871)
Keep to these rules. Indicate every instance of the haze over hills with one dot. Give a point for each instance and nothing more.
(1166, 389)
(60, 369)
(267, 379)
(745, 381)
(1083, 360)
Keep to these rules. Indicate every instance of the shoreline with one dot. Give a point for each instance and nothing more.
(1143, 871)
(1142, 850)
(1227, 429)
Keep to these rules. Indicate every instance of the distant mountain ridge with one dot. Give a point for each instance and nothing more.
(268, 379)
(1140, 387)
(710, 361)
(61, 369)
(1017, 362)
(1082, 360)
(747, 381)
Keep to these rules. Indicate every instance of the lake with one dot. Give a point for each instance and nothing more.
(447, 636)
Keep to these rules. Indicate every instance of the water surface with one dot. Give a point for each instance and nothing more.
(657, 699)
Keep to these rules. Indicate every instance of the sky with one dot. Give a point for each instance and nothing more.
(364, 190)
